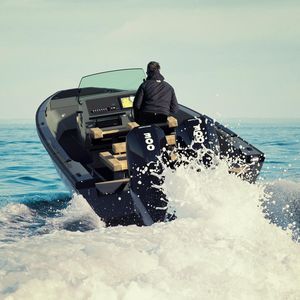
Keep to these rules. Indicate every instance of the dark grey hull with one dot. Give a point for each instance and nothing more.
(78, 166)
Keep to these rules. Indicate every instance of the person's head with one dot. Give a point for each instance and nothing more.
(152, 67)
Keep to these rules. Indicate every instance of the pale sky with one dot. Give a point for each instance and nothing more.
(234, 59)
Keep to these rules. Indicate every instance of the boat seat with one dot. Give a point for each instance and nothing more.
(172, 122)
(98, 133)
(118, 148)
(171, 139)
(115, 163)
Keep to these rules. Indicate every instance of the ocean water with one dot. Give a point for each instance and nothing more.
(231, 240)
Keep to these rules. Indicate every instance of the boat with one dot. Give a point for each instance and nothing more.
(101, 153)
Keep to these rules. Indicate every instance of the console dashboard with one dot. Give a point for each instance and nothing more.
(108, 105)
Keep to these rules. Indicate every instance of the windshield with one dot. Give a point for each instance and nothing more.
(126, 79)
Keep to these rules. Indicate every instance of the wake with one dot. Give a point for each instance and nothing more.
(223, 244)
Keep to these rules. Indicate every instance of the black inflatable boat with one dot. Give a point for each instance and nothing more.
(103, 154)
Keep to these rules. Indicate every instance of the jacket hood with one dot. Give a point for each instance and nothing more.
(155, 76)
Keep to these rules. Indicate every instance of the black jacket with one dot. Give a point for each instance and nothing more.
(155, 96)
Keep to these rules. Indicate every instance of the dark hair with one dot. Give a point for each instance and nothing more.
(152, 67)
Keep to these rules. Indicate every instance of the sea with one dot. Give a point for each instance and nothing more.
(231, 239)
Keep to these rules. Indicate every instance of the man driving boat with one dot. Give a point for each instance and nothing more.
(155, 99)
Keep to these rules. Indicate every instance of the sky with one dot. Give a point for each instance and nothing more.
(226, 59)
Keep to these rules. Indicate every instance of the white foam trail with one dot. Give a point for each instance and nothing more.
(14, 220)
(220, 247)
(13, 210)
(79, 213)
(283, 207)
(17, 220)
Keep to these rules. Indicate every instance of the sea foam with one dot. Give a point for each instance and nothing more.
(221, 246)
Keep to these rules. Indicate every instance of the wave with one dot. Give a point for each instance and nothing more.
(283, 206)
(278, 201)
(36, 216)
(224, 244)
(20, 143)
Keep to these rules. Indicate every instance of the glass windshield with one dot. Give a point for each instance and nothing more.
(126, 79)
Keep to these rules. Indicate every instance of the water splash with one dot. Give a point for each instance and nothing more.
(77, 216)
(283, 206)
(221, 246)
(37, 217)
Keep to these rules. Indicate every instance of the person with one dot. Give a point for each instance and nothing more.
(155, 99)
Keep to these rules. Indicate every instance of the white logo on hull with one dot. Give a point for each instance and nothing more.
(149, 141)
(198, 134)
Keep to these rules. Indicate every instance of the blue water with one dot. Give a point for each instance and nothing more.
(279, 140)
(28, 176)
(26, 171)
